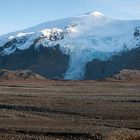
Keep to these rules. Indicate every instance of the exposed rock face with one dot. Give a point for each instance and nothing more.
(137, 32)
(19, 75)
(49, 62)
(97, 69)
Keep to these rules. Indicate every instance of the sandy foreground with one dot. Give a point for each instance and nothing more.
(69, 110)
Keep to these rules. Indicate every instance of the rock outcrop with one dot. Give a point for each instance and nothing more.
(97, 69)
(49, 62)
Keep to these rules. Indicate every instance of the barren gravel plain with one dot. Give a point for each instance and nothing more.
(69, 110)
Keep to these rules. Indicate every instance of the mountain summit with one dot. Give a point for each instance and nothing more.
(64, 48)
(95, 14)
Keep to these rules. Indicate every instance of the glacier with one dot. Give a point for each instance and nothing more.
(84, 38)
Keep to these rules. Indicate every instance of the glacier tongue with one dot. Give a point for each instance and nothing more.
(83, 50)
(79, 59)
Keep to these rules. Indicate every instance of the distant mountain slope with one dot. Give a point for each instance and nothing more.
(79, 40)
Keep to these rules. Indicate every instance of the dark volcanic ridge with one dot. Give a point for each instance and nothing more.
(97, 69)
(48, 62)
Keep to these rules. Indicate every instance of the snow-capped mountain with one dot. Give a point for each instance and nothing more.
(82, 39)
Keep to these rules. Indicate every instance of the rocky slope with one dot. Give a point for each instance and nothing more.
(48, 62)
(19, 75)
(97, 69)
(126, 75)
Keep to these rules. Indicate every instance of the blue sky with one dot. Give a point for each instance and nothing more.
(20, 14)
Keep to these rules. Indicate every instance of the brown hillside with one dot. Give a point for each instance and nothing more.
(126, 75)
(19, 75)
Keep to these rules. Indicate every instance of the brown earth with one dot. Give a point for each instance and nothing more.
(126, 75)
(19, 75)
(69, 110)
